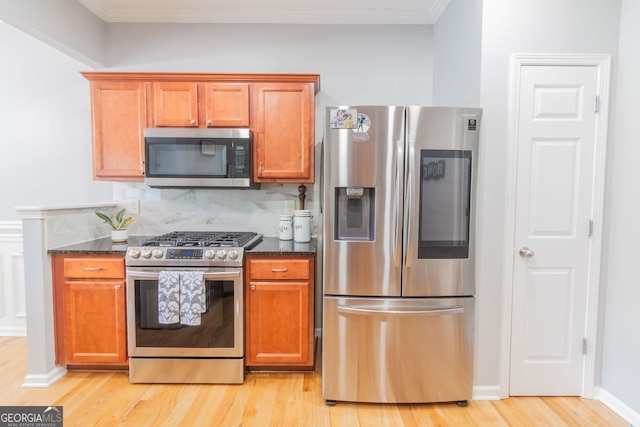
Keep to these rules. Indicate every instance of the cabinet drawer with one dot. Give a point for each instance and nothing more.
(82, 268)
(278, 269)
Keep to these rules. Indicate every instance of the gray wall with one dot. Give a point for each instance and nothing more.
(358, 64)
(45, 128)
(457, 39)
(621, 292)
(64, 24)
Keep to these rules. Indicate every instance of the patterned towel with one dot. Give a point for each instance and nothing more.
(168, 297)
(192, 297)
(181, 297)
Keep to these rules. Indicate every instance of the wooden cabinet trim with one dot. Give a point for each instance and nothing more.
(206, 77)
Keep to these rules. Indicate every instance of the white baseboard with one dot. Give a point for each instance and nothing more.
(44, 380)
(13, 332)
(617, 406)
(482, 392)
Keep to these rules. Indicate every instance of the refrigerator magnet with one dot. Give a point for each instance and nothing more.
(342, 118)
(360, 132)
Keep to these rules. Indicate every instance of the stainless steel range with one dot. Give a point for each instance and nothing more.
(185, 307)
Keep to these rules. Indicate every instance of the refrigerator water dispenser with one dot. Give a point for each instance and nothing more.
(354, 216)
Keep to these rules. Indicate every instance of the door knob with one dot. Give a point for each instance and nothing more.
(525, 252)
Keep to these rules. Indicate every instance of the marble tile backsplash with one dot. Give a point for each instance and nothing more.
(166, 210)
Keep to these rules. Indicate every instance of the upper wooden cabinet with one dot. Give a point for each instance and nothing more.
(119, 116)
(190, 104)
(175, 104)
(278, 108)
(226, 104)
(283, 125)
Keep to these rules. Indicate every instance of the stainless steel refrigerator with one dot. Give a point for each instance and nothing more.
(399, 190)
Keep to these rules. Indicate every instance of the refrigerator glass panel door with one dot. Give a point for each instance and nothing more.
(439, 200)
(386, 350)
(445, 181)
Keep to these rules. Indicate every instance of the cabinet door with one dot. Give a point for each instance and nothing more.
(283, 132)
(278, 324)
(175, 104)
(227, 104)
(119, 116)
(95, 322)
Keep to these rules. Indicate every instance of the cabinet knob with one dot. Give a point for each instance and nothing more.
(208, 122)
(193, 122)
(118, 286)
(253, 287)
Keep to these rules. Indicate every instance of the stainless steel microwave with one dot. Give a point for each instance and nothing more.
(198, 157)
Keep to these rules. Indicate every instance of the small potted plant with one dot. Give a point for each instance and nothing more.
(119, 224)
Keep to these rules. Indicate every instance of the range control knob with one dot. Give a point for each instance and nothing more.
(210, 254)
(222, 254)
(134, 253)
(233, 254)
(158, 253)
(146, 253)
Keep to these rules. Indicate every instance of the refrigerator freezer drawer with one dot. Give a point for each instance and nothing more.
(394, 350)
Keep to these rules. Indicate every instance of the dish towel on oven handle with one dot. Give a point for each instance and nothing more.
(192, 297)
(181, 297)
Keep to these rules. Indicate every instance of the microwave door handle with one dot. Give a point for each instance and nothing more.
(215, 275)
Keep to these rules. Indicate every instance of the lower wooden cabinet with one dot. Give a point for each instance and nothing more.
(279, 312)
(90, 310)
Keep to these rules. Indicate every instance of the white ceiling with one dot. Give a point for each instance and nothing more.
(270, 11)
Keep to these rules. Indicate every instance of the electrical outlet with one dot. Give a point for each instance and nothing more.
(289, 206)
(134, 207)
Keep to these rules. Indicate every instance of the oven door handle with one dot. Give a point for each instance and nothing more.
(215, 275)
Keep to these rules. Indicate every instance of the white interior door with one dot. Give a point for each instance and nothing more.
(556, 137)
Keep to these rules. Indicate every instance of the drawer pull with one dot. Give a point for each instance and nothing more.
(279, 270)
(92, 268)
(253, 287)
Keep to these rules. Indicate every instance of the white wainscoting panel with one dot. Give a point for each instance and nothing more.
(12, 287)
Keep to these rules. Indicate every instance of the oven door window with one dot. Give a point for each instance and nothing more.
(216, 329)
(188, 157)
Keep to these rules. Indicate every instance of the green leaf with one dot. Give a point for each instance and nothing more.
(126, 223)
(119, 217)
(106, 219)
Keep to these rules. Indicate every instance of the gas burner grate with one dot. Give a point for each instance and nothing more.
(204, 239)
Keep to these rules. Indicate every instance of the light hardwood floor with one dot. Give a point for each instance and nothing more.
(292, 399)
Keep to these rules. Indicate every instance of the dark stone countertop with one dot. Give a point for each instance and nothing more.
(104, 246)
(275, 246)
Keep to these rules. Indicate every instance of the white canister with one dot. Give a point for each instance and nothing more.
(302, 226)
(285, 227)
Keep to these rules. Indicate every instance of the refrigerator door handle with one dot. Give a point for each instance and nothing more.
(397, 255)
(366, 311)
(408, 186)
